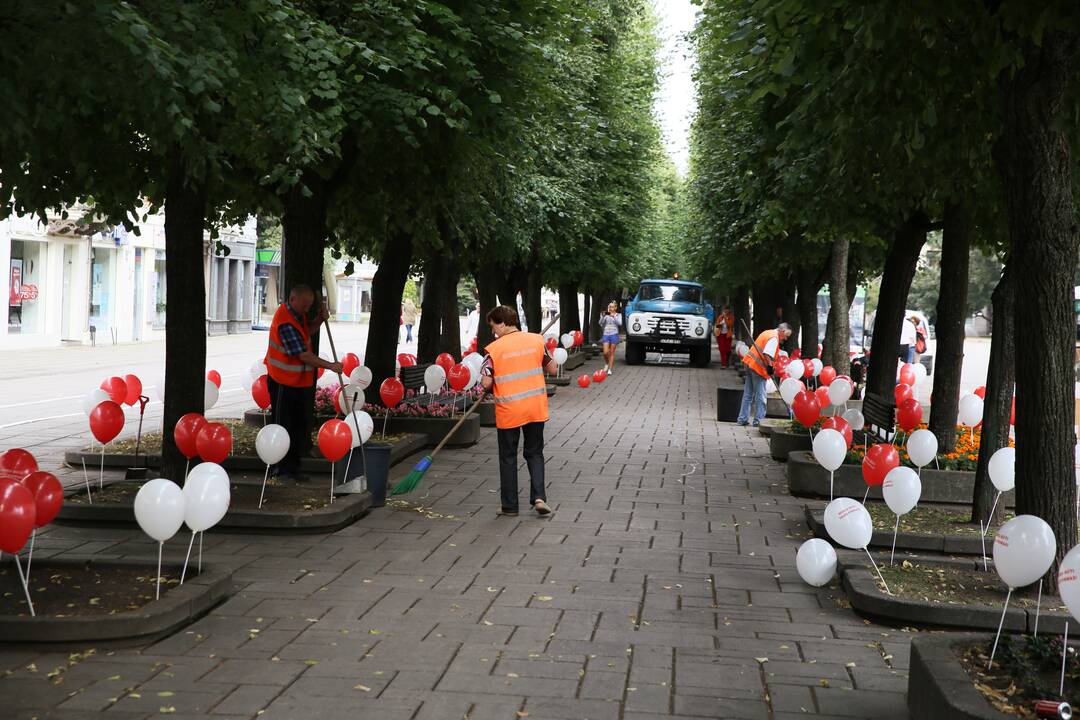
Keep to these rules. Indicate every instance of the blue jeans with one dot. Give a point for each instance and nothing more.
(753, 398)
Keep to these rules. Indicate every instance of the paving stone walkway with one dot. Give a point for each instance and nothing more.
(663, 586)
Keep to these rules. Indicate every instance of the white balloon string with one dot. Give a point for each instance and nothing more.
(22, 579)
(187, 466)
(86, 478)
(101, 472)
(191, 542)
(262, 492)
(386, 418)
(1064, 654)
(202, 533)
(830, 486)
(30, 557)
(1000, 624)
(880, 576)
(866, 495)
(160, 546)
(331, 483)
(992, 509)
(896, 529)
(982, 539)
(1038, 608)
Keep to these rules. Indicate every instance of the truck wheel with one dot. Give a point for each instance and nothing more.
(701, 356)
(635, 353)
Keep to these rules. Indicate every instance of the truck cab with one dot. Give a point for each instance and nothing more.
(669, 316)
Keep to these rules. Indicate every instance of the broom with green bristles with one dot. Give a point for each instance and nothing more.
(412, 480)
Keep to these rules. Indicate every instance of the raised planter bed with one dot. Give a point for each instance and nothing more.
(574, 361)
(769, 425)
(432, 428)
(783, 441)
(179, 604)
(550, 389)
(808, 479)
(861, 585)
(486, 412)
(920, 542)
(558, 381)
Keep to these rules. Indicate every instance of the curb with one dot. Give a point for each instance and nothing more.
(782, 442)
(938, 686)
(179, 607)
(946, 544)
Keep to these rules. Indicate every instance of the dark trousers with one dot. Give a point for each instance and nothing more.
(534, 458)
(287, 410)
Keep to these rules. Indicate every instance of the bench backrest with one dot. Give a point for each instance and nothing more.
(880, 416)
(412, 376)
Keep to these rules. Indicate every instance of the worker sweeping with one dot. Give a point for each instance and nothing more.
(514, 369)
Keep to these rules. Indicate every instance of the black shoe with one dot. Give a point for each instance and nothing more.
(507, 513)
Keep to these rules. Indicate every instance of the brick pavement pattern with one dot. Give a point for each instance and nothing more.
(663, 586)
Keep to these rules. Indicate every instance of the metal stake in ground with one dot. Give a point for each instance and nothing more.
(157, 593)
(86, 478)
(892, 553)
(877, 569)
(187, 557)
(1038, 607)
(1001, 622)
(1064, 654)
(23, 580)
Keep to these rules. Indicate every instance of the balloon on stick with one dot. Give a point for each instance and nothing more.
(349, 362)
(1002, 471)
(816, 562)
(841, 426)
(17, 463)
(48, 496)
(970, 412)
(789, 388)
(827, 375)
(271, 445)
(830, 449)
(807, 408)
(922, 447)
(909, 414)
(1024, 549)
(17, 517)
(116, 388)
(901, 490)
(214, 442)
(106, 422)
(133, 390)
(334, 440)
(215, 377)
(434, 378)
(206, 500)
(260, 391)
(878, 461)
(210, 395)
(159, 510)
(848, 523)
(360, 377)
(840, 390)
(390, 392)
(184, 435)
(92, 399)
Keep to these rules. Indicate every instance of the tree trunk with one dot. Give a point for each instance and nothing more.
(508, 289)
(450, 338)
(533, 299)
(431, 310)
(951, 313)
(569, 317)
(1033, 159)
(600, 300)
(765, 318)
(997, 406)
(838, 325)
(486, 283)
(789, 309)
(386, 289)
(741, 310)
(892, 302)
(852, 290)
(809, 279)
(185, 294)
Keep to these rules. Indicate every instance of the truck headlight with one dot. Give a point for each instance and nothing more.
(699, 330)
(636, 327)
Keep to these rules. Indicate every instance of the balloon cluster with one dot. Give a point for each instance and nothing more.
(30, 498)
(195, 437)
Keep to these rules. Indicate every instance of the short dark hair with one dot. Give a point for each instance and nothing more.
(504, 315)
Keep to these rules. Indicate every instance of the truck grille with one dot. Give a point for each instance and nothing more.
(668, 325)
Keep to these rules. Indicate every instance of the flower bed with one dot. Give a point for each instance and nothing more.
(439, 406)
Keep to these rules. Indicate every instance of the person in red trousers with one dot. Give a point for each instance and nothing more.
(725, 333)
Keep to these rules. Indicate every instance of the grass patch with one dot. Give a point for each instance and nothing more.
(958, 585)
(928, 520)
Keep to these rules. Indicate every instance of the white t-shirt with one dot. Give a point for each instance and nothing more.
(770, 348)
(907, 333)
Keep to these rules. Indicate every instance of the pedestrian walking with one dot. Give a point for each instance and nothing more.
(291, 366)
(908, 336)
(610, 322)
(759, 368)
(408, 318)
(514, 368)
(725, 333)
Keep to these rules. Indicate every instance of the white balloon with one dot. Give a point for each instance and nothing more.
(901, 489)
(970, 411)
(361, 377)
(816, 562)
(839, 392)
(271, 444)
(567, 340)
(1069, 581)
(94, 398)
(830, 449)
(770, 387)
(853, 416)
(922, 447)
(559, 356)
(848, 523)
(361, 426)
(789, 388)
(817, 366)
(474, 377)
(434, 378)
(210, 395)
(206, 499)
(1024, 548)
(1002, 469)
(343, 400)
(920, 372)
(159, 508)
(795, 369)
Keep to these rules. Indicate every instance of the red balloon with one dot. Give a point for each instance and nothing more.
(260, 391)
(599, 376)
(907, 374)
(806, 407)
(551, 343)
(214, 442)
(458, 376)
(583, 381)
(808, 368)
(980, 392)
(827, 375)
(134, 389)
(445, 361)
(106, 421)
(349, 363)
(796, 354)
(472, 345)
(335, 439)
(184, 434)
(17, 513)
(117, 389)
(879, 460)
(822, 395)
(406, 360)
(17, 464)
(781, 363)
(391, 391)
(841, 426)
(215, 377)
(579, 338)
(909, 414)
(48, 496)
(902, 392)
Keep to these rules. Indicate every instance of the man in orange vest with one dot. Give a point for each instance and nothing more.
(514, 367)
(292, 368)
(759, 368)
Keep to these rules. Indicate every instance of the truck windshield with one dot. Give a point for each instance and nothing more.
(675, 293)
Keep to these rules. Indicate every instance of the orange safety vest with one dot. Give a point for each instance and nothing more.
(283, 368)
(520, 392)
(754, 358)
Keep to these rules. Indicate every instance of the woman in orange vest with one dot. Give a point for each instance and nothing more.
(514, 367)
(759, 368)
(725, 331)
(292, 368)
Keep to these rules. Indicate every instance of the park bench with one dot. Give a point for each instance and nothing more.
(412, 377)
(879, 414)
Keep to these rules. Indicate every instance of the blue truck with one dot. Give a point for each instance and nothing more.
(669, 316)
